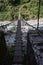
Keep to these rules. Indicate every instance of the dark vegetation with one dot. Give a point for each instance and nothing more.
(5, 55)
(9, 9)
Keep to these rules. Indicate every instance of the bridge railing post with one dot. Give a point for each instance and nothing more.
(30, 52)
(38, 14)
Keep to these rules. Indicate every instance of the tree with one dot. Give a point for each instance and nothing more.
(14, 2)
(2, 5)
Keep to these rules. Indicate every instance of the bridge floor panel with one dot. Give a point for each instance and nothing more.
(18, 54)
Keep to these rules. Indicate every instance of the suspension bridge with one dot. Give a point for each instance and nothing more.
(33, 38)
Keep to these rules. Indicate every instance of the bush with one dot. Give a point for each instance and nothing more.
(9, 9)
(2, 7)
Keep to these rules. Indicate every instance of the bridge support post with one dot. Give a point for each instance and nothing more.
(38, 14)
(30, 53)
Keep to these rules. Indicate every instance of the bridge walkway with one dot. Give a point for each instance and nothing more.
(18, 55)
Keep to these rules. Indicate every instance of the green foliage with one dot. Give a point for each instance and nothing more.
(2, 6)
(14, 2)
(29, 8)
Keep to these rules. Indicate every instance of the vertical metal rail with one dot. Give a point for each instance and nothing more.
(38, 14)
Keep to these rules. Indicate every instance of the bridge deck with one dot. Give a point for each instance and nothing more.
(18, 46)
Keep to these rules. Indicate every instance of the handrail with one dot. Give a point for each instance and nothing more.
(38, 31)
